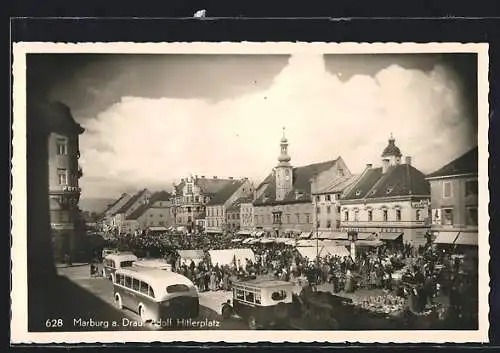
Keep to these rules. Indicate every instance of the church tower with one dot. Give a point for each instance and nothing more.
(391, 155)
(283, 171)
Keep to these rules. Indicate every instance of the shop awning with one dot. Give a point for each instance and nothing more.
(228, 256)
(212, 231)
(305, 235)
(306, 242)
(281, 240)
(340, 251)
(365, 236)
(267, 240)
(466, 238)
(247, 240)
(374, 243)
(243, 232)
(157, 229)
(290, 242)
(236, 240)
(339, 235)
(446, 237)
(390, 236)
(253, 241)
(309, 252)
(259, 233)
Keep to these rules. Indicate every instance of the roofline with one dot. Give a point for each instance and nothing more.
(276, 203)
(451, 176)
(382, 199)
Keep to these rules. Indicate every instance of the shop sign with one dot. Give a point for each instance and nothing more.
(420, 204)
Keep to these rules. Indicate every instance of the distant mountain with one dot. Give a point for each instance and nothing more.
(97, 205)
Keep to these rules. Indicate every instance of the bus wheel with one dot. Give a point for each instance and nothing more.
(252, 323)
(142, 314)
(118, 301)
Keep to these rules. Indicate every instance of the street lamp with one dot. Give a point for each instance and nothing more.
(353, 236)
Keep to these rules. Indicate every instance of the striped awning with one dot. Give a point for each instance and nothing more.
(446, 237)
(466, 238)
(243, 232)
(339, 235)
(390, 236)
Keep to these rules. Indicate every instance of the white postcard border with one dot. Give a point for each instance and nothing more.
(19, 314)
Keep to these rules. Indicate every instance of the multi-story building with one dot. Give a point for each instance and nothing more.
(326, 202)
(390, 202)
(158, 213)
(107, 216)
(246, 216)
(222, 214)
(64, 173)
(283, 203)
(191, 196)
(137, 200)
(454, 201)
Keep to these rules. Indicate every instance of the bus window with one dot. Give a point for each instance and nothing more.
(126, 264)
(144, 288)
(122, 280)
(118, 278)
(257, 298)
(249, 297)
(278, 295)
(175, 288)
(151, 292)
(239, 294)
(128, 282)
(135, 284)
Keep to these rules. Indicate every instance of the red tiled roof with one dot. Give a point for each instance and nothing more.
(301, 183)
(399, 180)
(225, 193)
(465, 164)
(130, 202)
(157, 196)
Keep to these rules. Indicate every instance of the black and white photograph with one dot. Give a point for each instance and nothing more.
(245, 192)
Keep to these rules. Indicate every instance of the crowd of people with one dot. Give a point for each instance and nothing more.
(421, 275)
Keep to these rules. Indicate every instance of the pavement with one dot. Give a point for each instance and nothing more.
(101, 290)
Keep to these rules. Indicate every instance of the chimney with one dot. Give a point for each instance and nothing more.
(231, 178)
(408, 160)
(203, 177)
(385, 165)
(369, 166)
(215, 176)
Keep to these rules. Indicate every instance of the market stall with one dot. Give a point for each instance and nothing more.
(186, 256)
(231, 256)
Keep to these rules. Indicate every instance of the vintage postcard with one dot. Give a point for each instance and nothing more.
(250, 192)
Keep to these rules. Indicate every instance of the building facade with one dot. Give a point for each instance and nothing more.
(454, 201)
(247, 216)
(390, 202)
(64, 174)
(158, 213)
(283, 201)
(223, 211)
(106, 219)
(137, 200)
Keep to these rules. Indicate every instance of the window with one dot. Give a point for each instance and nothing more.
(370, 215)
(328, 224)
(62, 176)
(278, 295)
(151, 215)
(190, 188)
(328, 209)
(418, 216)
(240, 295)
(189, 210)
(356, 215)
(126, 263)
(62, 146)
(338, 209)
(122, 280)
(196, 199)
(471, 188)
(298, 217)
(128, 282)
(308, 218)
(398, 215)
(318, 210)
(341, 172)
(176, 288)
(337, 224)
(151, 292)
(287, 218)
(257, 298)
(118, 278)
(328, 198)
(346, 216)
(317, 225)
(161, 223)
(144, 288)
(249, 297)
(471, 215)
(447, 192)
(385, 213)
(447, 217)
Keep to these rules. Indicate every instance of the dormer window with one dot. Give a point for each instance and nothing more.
(389, 190)
(358, 192)
(373, 192)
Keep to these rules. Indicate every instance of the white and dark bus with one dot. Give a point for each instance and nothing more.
(116, 261)
(155, 294)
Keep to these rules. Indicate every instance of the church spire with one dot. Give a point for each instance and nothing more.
(284, 158)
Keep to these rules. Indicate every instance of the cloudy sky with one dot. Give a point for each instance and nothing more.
(153, 119)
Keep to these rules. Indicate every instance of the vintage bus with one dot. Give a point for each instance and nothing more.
(156, 295)
(160, 264)
(116, 261)
(262, 303)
